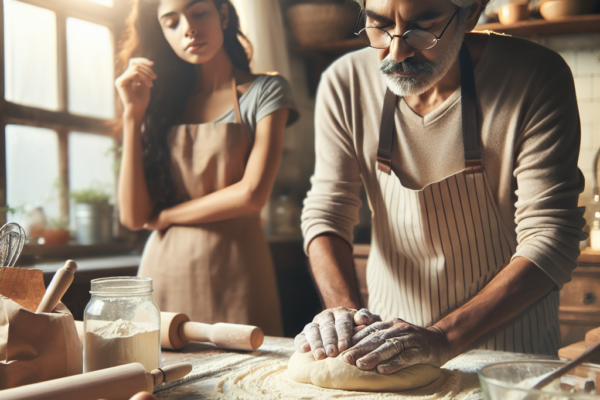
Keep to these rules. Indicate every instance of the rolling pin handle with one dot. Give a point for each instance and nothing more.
(171, 373)
(57, 287)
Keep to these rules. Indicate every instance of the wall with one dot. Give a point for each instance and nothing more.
(582, 54)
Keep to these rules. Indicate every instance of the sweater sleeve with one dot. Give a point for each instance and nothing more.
(549, 222)
(332, 205)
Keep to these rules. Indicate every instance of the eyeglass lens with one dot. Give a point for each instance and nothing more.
(380, 39)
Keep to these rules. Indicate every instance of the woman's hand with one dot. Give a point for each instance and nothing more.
(393, 345)
(134, 87)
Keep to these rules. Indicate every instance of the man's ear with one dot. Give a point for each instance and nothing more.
(224, 16)
(473, 13)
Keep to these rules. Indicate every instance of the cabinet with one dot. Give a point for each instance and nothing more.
(579, 309)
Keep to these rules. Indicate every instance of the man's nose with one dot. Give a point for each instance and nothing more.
(399, 50)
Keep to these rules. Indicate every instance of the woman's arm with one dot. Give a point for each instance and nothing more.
(134, 86)
(245, 197)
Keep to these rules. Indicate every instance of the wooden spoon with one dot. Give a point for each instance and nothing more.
(589, 353)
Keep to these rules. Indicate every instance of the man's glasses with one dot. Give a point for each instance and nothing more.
(418, 39)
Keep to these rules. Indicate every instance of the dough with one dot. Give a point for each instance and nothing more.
(335, 373)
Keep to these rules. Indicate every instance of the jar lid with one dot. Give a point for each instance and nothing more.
(121, 286)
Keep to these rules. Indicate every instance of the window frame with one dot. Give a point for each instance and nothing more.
(61, 120)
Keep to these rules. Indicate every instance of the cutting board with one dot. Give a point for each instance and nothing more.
(576, 349)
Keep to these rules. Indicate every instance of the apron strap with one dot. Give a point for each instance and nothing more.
(470, 126)
(387, 131)
(236, 102)
(470, 129)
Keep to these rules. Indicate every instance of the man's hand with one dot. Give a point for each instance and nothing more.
(331, 331)
(393, 345)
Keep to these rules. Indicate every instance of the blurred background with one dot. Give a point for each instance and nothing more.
(60, 160)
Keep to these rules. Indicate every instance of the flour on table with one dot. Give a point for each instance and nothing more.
(121, 342)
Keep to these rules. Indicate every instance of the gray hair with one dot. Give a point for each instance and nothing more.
(461, 3)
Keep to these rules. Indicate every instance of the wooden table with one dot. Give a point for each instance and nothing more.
(220, 374)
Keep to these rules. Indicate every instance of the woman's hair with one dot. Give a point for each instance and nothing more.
(144, 38)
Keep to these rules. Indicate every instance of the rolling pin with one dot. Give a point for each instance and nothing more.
(117, 383)
(57, 287)
(176, 331)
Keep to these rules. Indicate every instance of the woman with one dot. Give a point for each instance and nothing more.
(199, 161)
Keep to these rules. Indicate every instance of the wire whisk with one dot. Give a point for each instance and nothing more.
(12, 240)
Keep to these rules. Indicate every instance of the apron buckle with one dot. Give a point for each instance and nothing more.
(384, 165)
(473, 166)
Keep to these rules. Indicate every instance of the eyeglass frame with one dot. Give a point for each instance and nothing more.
(392, 37)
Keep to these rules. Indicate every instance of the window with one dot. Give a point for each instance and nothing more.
(59, 96)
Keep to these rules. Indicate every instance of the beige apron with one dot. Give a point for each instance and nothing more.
(442, 244)
(220, 271)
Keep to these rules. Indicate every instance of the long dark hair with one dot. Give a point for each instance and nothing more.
(171, 91)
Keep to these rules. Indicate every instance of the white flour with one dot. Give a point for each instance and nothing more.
(121, 342)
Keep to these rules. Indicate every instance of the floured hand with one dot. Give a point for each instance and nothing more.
(332, 330)
(396, 344)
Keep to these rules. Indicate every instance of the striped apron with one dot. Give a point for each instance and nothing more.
(439, 246)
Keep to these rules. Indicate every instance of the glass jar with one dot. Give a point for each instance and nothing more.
(121, 324)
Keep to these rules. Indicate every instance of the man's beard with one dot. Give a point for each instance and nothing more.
(423, 74)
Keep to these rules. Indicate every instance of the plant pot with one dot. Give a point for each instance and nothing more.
(93, 223)
(321, 23)
(513, 12)
(56, 236)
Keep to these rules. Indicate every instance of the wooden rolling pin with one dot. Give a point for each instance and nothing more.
(57, 287)
(117, 383)
(176, 331)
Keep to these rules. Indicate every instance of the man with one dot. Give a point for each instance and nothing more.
(467, 145)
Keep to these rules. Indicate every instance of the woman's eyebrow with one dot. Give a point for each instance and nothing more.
(194, 2)
(188, 5)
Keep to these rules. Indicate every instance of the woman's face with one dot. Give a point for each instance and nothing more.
(193, 28)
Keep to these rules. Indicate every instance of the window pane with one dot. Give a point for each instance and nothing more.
(30, 55)
(91, 162)
(90, 69)
(107, 3)
(32, 171)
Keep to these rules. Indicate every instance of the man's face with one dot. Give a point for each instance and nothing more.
(409, 71)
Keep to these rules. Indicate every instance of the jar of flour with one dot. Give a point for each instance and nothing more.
(122, 324)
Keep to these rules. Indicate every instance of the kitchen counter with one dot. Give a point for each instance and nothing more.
(299, 299)
(261, 374)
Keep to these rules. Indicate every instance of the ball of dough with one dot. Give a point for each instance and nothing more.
(335, 373)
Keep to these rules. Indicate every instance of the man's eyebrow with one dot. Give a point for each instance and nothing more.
(426, 16)
(188, 5)
(421, 17)
(377, 17)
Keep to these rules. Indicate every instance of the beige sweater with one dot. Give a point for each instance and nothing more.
(530, 145)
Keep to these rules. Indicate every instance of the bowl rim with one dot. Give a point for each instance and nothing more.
(558, 363)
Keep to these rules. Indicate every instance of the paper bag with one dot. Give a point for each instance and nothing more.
(36, 347)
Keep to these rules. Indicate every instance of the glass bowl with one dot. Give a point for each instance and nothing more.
(513, 380)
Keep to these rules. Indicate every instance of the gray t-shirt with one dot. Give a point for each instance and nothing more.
(267, 94)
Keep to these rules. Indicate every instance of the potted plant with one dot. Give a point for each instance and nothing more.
(57, 231)
(321, 21)
(93, 215)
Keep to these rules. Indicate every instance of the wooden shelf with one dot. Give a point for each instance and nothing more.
(541, 27)
(589, 258)
(532, 27)
(337, 48)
